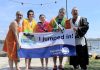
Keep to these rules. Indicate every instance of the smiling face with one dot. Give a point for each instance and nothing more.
(61, 13)
(42, 18)
(75, 12)
(19, 15)
(30, 15)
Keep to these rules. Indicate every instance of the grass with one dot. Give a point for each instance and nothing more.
(94, 64)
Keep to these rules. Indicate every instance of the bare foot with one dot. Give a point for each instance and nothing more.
(26, 69)
(18, 68)
(11, 68)
(30, 67)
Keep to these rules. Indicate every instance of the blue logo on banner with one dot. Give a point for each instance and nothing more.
(65, 50)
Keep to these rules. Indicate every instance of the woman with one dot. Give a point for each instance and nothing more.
(11, 43)
(43, 26)
(29, 26)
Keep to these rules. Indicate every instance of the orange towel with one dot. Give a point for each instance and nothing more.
(10, 45)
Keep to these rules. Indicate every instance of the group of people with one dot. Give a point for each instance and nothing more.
(77, 23)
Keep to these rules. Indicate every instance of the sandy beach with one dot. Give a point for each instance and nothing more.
(35, 63)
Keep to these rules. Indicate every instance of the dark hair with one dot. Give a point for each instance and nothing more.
(41, 15)
(62, 9)
(29, 12)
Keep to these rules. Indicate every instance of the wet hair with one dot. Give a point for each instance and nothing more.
(41, 15)
(62, 9)
(29, 12)
(19, 12)
(74, 8)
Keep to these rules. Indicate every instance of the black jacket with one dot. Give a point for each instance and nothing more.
(83, 27)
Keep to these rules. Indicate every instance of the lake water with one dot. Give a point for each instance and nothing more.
(1, 45)
(95, 46)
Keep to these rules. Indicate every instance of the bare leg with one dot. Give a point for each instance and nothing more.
(55, 61)
(46, 60)
(17, 65)
(60, 60)
(30, 63)
(10, 64)
(26, 63)
(42, 62)
(60, 63)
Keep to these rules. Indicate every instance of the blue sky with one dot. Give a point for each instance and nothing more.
(87, 8)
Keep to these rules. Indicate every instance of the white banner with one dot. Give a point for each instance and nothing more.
(40, 40)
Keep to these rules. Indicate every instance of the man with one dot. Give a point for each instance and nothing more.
(29, 26)
(80, 26)
(11, 43)
(57, 24)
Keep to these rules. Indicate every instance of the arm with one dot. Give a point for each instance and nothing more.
(83, 27)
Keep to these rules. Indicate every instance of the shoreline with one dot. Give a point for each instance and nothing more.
(36, 64)
(3, 54)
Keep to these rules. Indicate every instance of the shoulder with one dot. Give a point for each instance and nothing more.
(34, 20)
(52, 21)
(54, 18)
(65, 19)
(84, 20)
(25, 20)
(38, 23)
(47, 22)
(13, 24)
(83, 17)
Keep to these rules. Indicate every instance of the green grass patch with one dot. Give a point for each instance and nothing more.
(94, 64)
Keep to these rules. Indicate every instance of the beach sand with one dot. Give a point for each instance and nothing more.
(36, 64)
